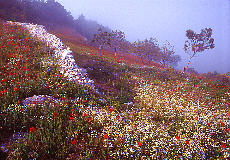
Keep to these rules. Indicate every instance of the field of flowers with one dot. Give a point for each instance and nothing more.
(141, 113)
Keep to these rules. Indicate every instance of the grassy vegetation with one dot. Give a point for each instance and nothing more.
(174, 114)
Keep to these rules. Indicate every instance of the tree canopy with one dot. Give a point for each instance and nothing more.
(167, 55)
(198, 42)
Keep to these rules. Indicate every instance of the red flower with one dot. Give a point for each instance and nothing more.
(63, 98)
(226, 130)
(71, 118)
(85, 101)
(214, 116)
(223, 145)
(71, 114)
(208, 124)
(32, 129)
(134, 126)
(111, 109)
(196, 118)
(118, 117)
(15, 89)
(88, 119)
(177, 137)
(186, 141)
(139, 144)
(106, 136)
(22, 110)
(85, 114)
(55, 114)
(222, 123)
(73, 141)
(72, 109)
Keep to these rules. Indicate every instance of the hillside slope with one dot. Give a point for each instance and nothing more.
(146, 112)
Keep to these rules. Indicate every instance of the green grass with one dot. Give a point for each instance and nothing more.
(174, 115)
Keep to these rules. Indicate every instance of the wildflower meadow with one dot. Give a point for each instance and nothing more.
(133, 111)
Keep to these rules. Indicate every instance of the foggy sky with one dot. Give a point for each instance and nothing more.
(165, 20)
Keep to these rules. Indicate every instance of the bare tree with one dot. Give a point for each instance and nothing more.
(148, 49)
(152, 49)
(100, 39)
(167, 55)
(116, 40)
(198, 42)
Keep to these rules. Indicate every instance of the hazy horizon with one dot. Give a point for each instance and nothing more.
(165, 20)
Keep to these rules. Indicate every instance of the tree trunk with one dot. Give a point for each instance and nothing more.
(115, 52)
(100, 48)
(150, 62)
(190, 60)
(142, 60)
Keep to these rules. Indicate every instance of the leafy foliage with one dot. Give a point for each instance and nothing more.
(100, 39)
(198, 42)
(167, 55)
(88, 27)
(114, 40)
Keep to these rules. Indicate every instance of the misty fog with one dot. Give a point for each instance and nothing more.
(165, 20)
